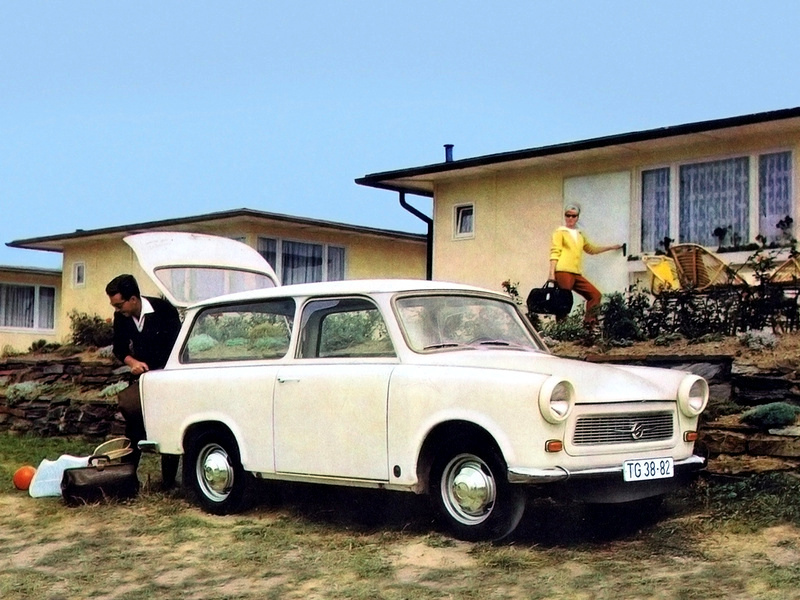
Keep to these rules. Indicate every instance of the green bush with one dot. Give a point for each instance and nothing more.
(43, 347)
(23, 392)
(771, 416)
(90, 330)
(619, 320)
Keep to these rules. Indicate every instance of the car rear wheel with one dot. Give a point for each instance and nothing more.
(214, 473)
(470, 489)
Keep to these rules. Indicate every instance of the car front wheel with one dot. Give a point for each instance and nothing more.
(214, 473)
(471, 490)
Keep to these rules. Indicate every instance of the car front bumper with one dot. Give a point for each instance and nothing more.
(604, 484)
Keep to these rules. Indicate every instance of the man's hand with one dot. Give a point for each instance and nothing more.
(137, 367)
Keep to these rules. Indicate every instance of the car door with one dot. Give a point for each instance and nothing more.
(330, 405)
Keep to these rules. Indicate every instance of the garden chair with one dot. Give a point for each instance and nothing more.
(702, 270)
(787, 273)
(663, 273)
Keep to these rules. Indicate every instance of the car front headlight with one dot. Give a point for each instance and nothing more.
(556, 399)
(692, 395)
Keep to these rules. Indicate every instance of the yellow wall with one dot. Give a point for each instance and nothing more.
(366, 256)
(517, 210)
(17, 339)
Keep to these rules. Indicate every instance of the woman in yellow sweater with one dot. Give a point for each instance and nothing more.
(566, 255)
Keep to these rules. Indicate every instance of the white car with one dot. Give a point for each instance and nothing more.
(418, 386)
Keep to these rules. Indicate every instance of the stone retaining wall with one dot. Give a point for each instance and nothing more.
(71, 403)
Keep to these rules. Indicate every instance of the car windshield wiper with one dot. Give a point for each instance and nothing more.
(501, 344)
(442, 345)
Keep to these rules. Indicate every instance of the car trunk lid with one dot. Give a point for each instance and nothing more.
(191, 267)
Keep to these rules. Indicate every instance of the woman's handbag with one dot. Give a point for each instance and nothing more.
(99, 481)
(550, 300)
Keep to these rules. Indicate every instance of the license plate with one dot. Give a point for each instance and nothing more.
(650, 468)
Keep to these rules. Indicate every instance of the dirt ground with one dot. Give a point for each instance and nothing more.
(350, 544)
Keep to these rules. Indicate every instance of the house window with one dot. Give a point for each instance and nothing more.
(655, 208)
(268, 248)
(774, 193)
(78, 274)
(465, 221)
(335, 263)
(713, 195)
(302, 262)
(27, 306)
(716, 195)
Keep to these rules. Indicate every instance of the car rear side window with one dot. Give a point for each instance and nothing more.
(344, 327)
(254, 331)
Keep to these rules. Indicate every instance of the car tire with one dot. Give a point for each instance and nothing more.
(470, 489)
(214, 474)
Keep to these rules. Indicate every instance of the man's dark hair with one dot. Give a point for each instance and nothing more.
(125, 286)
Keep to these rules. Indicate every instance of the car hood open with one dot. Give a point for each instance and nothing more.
(191, 267)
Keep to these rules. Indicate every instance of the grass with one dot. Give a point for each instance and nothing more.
(737, 538)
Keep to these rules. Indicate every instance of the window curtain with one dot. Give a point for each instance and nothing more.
(335, 263)
(301, 263)
(268, 249)
(47, 307)
(16, 305)
(715, 194)
(774, 193)
(655, 208)
(465, 216)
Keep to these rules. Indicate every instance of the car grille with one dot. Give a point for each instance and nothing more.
(623, 429)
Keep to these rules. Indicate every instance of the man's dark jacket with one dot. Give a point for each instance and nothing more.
(154, 343)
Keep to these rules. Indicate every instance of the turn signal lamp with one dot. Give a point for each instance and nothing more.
(690, 436)
(553, 446)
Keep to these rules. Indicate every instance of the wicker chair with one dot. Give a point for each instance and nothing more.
(702, 270)
(788, 273)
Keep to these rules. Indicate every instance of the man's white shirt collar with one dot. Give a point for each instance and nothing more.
(147, 308)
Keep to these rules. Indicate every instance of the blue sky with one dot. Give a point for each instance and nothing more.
(121, 112)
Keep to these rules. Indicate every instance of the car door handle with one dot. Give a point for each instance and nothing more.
(287, 379)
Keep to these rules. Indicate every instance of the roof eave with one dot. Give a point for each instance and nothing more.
(394, 180)
(55, 243)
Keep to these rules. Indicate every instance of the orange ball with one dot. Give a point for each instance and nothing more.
(23, 476)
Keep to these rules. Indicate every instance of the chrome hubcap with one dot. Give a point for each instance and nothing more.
(214, 472)
(468, 489)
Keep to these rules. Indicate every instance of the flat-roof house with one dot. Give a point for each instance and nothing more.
(299, 249)
(493, 215)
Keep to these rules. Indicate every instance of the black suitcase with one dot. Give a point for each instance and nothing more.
(99, 481)
(550, 300)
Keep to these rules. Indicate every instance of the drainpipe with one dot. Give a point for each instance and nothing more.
(429, 222)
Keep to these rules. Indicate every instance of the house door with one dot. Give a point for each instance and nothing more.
(605, 218)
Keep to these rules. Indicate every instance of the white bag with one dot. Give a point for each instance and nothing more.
(47, 479)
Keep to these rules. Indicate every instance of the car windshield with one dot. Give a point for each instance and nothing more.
(434, 322)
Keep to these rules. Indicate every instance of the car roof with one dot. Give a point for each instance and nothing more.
(348, 287)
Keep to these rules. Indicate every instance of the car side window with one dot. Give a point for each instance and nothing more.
(343, 327)
(254, 331)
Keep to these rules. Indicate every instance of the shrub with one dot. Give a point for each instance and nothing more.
(201, 343)
(619, 320)
(758, 340)
(771, 416)
(90, 330)
(43, 347)
(570, 329)
(23, 392)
